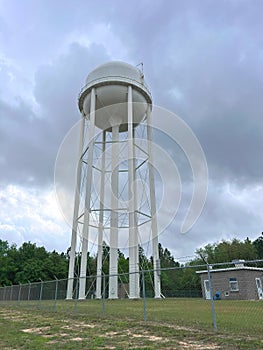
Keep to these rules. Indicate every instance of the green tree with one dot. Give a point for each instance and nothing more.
(32, 263)
(7, 266)
(169, 278)
(57, 265)
(227, 251)
(166, 258)
(258, 244)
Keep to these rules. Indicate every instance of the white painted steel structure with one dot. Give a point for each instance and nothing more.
(114, 100)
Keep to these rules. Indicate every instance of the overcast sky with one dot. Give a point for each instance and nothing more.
(202, 60)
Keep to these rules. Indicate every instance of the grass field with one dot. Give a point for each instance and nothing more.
(171, 324)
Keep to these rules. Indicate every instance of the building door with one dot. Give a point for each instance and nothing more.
(259, 288)
(207, 289)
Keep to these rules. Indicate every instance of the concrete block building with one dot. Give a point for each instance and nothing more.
(234, 283)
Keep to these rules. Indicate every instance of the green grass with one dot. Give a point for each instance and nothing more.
(171, 324)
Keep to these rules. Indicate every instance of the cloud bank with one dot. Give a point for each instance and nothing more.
(202, 60)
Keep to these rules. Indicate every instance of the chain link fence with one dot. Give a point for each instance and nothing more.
(228, 297)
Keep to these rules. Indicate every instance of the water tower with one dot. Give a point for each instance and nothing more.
(115, 101)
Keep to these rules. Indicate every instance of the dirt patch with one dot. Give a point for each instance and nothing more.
(13, 316)
(148, 336)
(78, 325)
(38, 330)
(179, 328)
(110, 334)
(154, 338)
(77, 339)
(197, 346)
(53, 342)
(62, 334)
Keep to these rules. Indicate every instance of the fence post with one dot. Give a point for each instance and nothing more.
(11, 293)
(4, 295)
(144, 297)
(19, 293)
(103, 294)
(40, 293)
(29, 290)
(56, 294)
(76, 297)
(211, 297)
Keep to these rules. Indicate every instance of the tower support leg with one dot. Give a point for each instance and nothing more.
(85, 233)
(100, 230)
(155, 248)
(75, 214)
(113, 278)
(134, 277)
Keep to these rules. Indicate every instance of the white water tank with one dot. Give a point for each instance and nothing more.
(111, 81)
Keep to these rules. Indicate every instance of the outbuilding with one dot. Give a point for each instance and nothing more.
(233, 283)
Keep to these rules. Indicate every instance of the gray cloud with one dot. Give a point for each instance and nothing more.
(30, 141)
(202, 60)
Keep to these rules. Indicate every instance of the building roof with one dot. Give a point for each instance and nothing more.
(236, 268)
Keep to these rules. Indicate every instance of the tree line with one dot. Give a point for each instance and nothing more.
(226, 251)
(30, 263)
